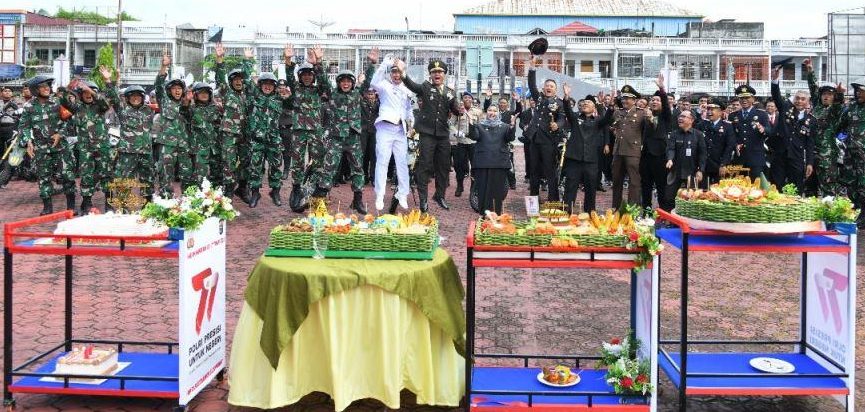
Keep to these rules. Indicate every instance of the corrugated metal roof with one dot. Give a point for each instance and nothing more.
(580, 8)
(574, 28)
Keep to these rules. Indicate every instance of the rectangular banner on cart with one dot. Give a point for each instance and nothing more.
(202, 307)
(827, 318)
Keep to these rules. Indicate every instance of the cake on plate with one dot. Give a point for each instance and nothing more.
(86, 360)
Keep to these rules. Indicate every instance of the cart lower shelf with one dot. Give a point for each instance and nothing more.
(141, 364)
(512, 386)
(765, 385)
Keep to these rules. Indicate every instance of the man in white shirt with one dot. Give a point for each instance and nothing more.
(394, 120)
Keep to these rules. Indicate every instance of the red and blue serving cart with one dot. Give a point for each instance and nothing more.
(149, 374)
(823, 355)
(496, 389)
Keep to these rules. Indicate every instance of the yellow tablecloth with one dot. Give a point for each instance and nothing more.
(361, 343)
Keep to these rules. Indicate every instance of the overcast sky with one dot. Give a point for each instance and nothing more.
(785, 19)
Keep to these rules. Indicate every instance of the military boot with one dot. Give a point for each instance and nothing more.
(357, 203)
(242, 191)
(254, 197)
(86, 204)
(70, 203)
(47, 207)
(274, 195)
(459, 191)
(295, 198)
(422, 199)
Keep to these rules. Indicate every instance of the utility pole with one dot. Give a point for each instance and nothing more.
(119, 33)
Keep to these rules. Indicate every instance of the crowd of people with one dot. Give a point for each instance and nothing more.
(383, 127)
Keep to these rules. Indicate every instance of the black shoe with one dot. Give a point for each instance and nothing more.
(459, 191)
(294, 198)
(393, 205)
(70, 203)
(242, 192)
(357, 203)
(441, 202)
(422, 200)
(86, 204)
(274, 195)
(254, 197)
(47, 207)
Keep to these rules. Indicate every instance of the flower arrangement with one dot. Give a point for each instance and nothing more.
(627, 374)
(191, 210)
(837, 209)
(643, 238)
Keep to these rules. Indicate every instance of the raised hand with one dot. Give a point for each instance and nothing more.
(660, 81)
(248, 53)
(219, 51)
(515, 96)
(361, 78)
(567, 89)
(318, 51)
(840, 88)
(776, 73)
(166, 58)
(808, 66)
(310, 57)
(288, 53)
(373, 54)
(488, 92)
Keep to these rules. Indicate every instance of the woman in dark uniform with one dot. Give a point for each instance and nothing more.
(491, 161)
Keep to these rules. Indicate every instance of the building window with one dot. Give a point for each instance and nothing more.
(7, 43)
(604, 66)
(789, 72)
(630, 65)
(89, 58)
(56, 53)
(587, 66)
(42, 55)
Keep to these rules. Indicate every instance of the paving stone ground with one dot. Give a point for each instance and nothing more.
(519, 311)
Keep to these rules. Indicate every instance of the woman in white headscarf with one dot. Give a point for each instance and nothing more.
(491, 161)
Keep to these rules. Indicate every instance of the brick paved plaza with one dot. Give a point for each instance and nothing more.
(520, 311)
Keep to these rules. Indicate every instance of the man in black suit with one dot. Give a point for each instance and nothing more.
(435, 102)
(720, 142)
(653, 174)
(545, 133)
(525, 117)
(588, 137)
(796, 129)
(686, 157)
(750, 125)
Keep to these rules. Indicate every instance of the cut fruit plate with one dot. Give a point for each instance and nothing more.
(558, 385)
(771, 365)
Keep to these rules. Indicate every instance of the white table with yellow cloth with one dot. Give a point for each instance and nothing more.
(350, 328)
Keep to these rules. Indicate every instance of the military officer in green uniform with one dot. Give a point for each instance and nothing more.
(40, 127)
(308, 94)
(264, 107)
(826, 105)
(346, 128)
(234, 142)
(173, 138)
(204, 119)
(134, 148)
(853, 126)
(94, 156)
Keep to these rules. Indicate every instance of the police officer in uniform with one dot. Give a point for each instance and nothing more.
(435, 102)
(629, 122)
(545, 133)
(652, 171)
(720, 142)
(750, 125)
(797, 129)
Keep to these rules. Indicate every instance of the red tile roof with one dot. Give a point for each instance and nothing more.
(40, 20)
(574, 28)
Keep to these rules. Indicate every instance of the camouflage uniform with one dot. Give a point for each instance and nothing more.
(826, 158)
(94, 155)
(204, 123)
(853, 173)
(134, 150)
(345, 129)
(172, 141)
(265, 142)
(233, 140)
(39, 122)
(309, 131)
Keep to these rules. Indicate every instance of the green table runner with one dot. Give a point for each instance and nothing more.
(280, 290)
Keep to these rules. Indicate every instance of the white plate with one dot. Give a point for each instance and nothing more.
(556, 385)
(772, 365)
(120, 366)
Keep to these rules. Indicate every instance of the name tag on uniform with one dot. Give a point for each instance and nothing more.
(688, 152)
